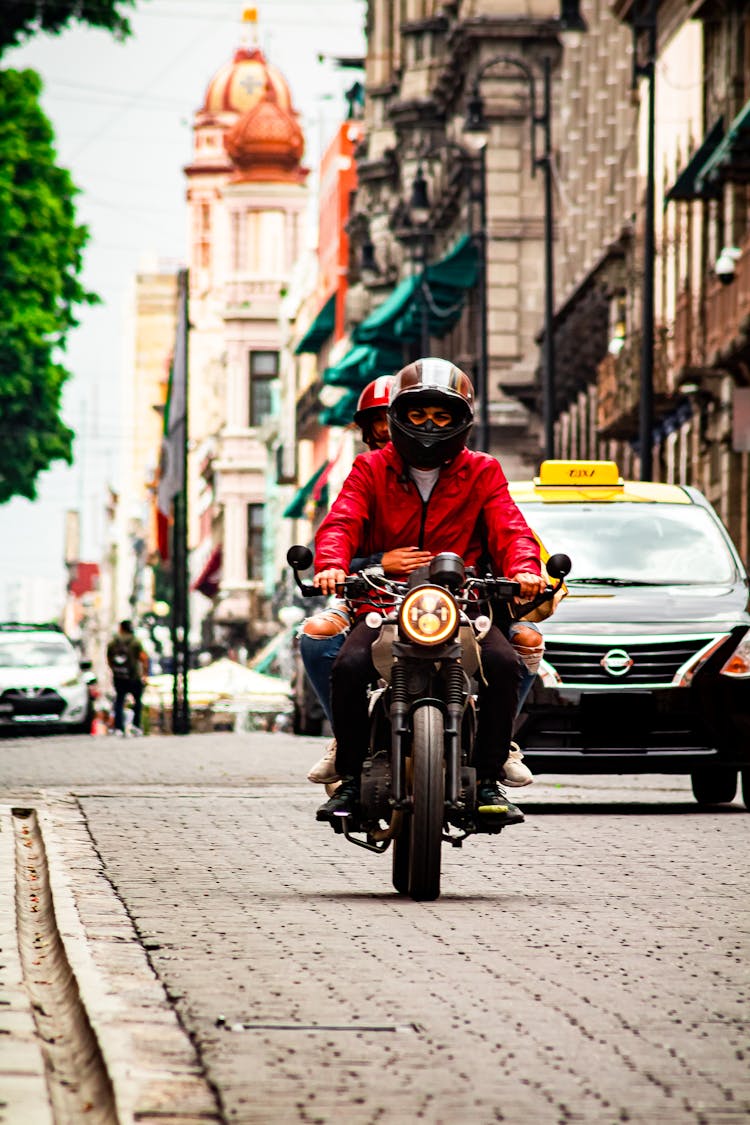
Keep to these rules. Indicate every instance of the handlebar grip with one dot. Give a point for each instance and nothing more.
(547, 593)
(309, 591)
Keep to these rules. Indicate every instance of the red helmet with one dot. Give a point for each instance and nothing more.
(375, 396)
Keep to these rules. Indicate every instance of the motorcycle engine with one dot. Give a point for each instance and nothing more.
(376, 787)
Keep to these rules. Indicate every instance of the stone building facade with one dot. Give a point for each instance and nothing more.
(422, 61)
(246, 195)
(701, 374)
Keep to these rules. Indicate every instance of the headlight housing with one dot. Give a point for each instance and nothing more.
(738, 665)
(428, 616)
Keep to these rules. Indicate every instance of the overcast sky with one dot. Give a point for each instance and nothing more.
(122, 115)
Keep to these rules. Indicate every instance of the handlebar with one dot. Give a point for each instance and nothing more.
(355, 586)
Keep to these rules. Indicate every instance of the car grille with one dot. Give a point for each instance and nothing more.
(31, 702)
(656, 661)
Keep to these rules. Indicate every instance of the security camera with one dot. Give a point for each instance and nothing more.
(726, 264)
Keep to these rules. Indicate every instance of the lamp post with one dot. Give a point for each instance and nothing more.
(420, 211)
(647, 69)
(476, 130)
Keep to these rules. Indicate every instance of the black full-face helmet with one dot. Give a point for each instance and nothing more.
(430, 382)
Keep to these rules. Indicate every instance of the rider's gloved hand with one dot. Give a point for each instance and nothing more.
(531, 584)
(327, 580)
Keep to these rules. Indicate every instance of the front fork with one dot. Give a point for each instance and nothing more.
(400, 710)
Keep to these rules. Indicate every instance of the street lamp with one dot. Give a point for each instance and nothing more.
(647, 69)
(419, 209)
(476, 131)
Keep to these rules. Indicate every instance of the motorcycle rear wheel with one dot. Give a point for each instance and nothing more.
(429, 805)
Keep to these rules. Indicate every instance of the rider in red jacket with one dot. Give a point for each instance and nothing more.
(381, 503)
(427, 490)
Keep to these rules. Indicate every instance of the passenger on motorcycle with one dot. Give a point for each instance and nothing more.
(427, 489)
(323, 634)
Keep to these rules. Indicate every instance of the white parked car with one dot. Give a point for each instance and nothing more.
(43, 684)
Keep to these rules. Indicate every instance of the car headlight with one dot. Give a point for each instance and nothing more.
(428, 615)
(738, 664)
(72, 681)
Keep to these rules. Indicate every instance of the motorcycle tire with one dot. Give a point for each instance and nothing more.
(429, 805)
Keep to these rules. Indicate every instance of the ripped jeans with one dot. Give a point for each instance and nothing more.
(318, 653)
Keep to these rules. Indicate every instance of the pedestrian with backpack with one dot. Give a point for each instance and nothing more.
(128, 663)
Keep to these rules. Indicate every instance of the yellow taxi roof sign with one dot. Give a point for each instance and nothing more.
(579, 474)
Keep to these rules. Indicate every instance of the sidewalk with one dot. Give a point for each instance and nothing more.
(116, 1052)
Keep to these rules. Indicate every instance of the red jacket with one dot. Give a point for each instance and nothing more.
(379, 509)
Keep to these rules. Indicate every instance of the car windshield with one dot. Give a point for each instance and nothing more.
(34, 654)
(638, 543)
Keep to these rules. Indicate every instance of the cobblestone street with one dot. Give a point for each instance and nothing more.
(590, 965)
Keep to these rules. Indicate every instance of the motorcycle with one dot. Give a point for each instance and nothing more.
(418, 783)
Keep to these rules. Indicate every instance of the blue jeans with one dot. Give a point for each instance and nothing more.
(319, 653)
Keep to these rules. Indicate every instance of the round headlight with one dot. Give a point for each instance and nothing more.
(428, 616)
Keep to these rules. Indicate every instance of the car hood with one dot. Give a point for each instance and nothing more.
(663, 609)
(37, 677)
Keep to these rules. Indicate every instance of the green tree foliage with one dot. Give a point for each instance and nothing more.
(20, 19)
(40, 264)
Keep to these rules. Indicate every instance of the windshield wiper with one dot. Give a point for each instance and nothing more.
(615, 582)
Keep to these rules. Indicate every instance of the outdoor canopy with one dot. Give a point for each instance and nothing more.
(320, 329)
(684, 187)
(730, 159)
(295, 509)
(225, 679)
(399, 318)
(342, 412)
(361, 365)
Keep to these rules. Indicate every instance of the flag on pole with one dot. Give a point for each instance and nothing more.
(173, 449)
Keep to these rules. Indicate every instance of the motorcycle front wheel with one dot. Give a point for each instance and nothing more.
(426, 835)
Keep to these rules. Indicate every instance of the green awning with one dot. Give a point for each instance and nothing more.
(459, 268)
(379, 324)
(320, 329)
(399, 319)
(684, 187)
(730, 160)
(346, 372)
(342, 412)
(295, 509)
(361, 365)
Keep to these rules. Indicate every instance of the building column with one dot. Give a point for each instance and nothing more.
(235, 544)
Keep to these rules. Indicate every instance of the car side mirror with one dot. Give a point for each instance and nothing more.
(85, 665)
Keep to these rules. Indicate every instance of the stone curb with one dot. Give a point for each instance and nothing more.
(24, 1098)
(151, 1063)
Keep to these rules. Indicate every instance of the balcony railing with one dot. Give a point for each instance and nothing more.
(727, 308)
(247, 295)
(308, 409)
(619, 387)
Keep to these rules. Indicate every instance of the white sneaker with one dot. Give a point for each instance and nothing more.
(515, 772)
(324, 771)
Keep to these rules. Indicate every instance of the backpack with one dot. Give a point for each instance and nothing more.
(123, 658)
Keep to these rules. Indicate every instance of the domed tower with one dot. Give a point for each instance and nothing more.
(246, 194)
(246, 131)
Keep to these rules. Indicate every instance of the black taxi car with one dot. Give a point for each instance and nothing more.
(647, 659)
